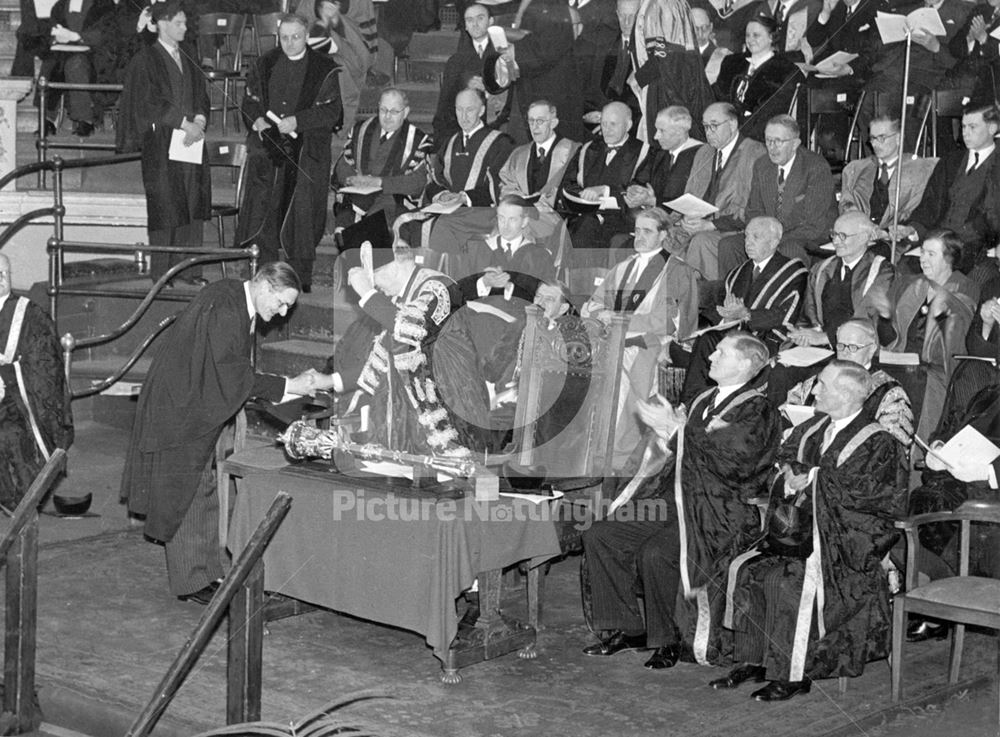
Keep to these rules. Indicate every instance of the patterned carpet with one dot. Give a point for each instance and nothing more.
(108, 629)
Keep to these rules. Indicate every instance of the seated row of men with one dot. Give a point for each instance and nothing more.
(615, 172)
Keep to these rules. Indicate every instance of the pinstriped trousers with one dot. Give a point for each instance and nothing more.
(193, 557)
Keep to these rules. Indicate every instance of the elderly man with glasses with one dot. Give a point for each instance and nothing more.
(845, 285)
(793, 185)
(386, 154)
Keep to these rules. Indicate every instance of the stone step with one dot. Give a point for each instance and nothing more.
(321, 316)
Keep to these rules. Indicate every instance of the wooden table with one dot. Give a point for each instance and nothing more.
(358, 547)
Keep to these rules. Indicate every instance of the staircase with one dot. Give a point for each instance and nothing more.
(305, 339)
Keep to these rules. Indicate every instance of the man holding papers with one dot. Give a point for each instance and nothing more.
(387, 155)
(659, 292)
(714, 458)
(720, 175)
(846, 27)
(664, 173)
(164, 96)
(291, 109)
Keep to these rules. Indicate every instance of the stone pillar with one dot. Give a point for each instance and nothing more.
(12, 89)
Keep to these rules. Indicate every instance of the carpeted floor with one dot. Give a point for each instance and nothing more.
(109, 629)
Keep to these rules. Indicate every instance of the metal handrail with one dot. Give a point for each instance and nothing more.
(42, 144)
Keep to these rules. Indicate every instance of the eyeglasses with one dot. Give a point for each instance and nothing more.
(836, 236)
(883, 138)
(538, 121)
(714, 126)
(778, 141)
(852, 348)
(390, 111)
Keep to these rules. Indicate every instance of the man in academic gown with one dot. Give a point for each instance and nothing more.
(762, 296)
(200, 377)
(35, 416)
(663, 175)
(422, 372)
(164, 92)
(659, 293)
(534, 172)
(288, 165)
(387, 152)
(464, 172)
(707, 464)
(603, 166)
(800, 615)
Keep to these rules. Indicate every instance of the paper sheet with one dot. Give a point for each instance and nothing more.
(69, 48)
(893, 27)
(536, 498)
(497, 37)
(486, 309)
(798, 413)
(606, 202)
(359, 190)
(803, 355)
(188, 154)
(968, 446)
(439, 208)
(689, 205)
(894, 358)
(840, 57)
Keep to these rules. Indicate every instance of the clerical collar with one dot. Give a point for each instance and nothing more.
(725, 392)
(297, 56)
(546, 145)
(763, 264)
(250, 308)
(838, 425)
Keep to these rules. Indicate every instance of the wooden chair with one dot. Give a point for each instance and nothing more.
(265, 32)
(232, 156)
(833, 102)
(962, 599)
(941, 104)
(220, 42)
(578, 447)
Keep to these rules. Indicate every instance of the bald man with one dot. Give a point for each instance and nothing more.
(35, 416)
(600, 171)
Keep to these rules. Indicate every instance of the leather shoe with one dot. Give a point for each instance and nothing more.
(201, 596)
(921, 629)
(739, 675)
(781, 690)
(617, 642)
(663, 657)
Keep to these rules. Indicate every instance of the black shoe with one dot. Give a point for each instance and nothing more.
(781, 690)
(664, 657)
(616, 643)
(739, 675)
(82, 128)
(919, 630)
(202, 596)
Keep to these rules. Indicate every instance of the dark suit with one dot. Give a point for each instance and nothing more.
(952, 198)
(461, 66)
(978, 67)
(855, 34)
(806, 206)
(667, 177)
(591, 232)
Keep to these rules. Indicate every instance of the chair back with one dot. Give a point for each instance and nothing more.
(220, 39)
(568, 395)
(265, 31)
(941, 104)
(230, 155)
